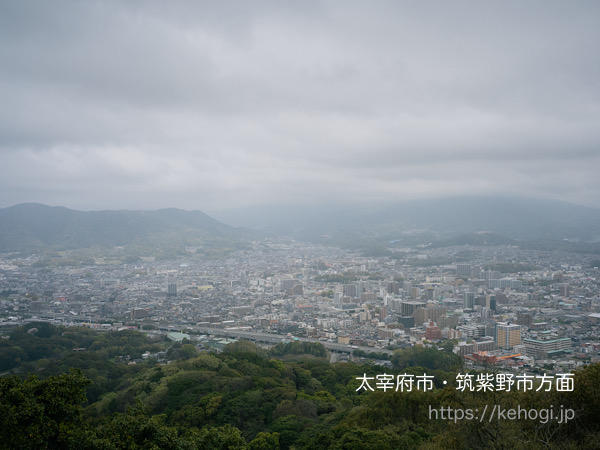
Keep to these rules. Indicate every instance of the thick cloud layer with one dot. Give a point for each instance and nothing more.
(216, 105)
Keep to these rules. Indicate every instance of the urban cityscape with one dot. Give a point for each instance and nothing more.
(518, 309)
(299, 225)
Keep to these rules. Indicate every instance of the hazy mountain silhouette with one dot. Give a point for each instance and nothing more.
(32, 226)
(527, 219)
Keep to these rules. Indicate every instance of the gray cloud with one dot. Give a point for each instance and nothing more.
(215, 105)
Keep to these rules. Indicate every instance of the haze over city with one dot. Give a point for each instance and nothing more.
(216, 106)
(299, 225)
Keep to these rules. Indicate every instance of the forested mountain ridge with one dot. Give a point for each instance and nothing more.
(32, 226)
(247, 398)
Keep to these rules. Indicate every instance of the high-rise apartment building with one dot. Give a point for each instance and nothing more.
(469, 300)
(507, 335)
(490, 302)
(428, 313)
(408, 308)
(463, 270)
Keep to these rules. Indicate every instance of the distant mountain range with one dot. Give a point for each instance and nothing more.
(456, 221)
(33, 226)
(520, 219)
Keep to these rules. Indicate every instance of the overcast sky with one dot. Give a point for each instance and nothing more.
(218, 105)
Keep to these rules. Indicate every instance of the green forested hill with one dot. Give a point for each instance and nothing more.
(247, 398)
(35, 227)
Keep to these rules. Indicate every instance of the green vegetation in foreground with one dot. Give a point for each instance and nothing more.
(246, 398)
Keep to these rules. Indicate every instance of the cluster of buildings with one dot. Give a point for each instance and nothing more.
(492, 304)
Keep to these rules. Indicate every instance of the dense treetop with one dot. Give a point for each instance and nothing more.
(247, 397)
